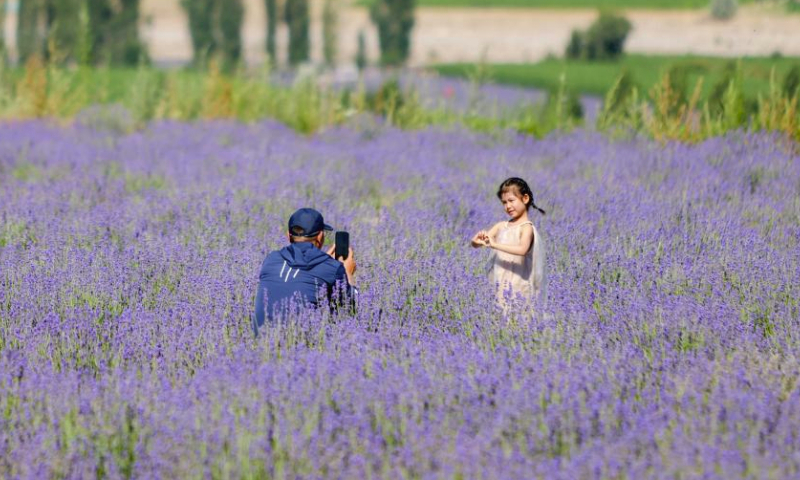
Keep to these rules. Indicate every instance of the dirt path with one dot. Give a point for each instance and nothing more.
(496, 35)
(514, 36)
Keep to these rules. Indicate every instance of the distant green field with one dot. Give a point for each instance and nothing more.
(677, 4)
(597, 77)
(602, 4)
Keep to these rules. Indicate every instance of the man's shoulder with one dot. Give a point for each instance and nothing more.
(328, 269)
(331, 263)
(272, 257)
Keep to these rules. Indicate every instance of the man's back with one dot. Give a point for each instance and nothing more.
(297, 270)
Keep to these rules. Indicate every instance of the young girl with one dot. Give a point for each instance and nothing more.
(518, 260)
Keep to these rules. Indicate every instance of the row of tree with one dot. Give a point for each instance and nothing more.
(92, 32)
(84, 31)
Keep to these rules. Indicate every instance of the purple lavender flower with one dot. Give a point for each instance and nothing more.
(128, 267)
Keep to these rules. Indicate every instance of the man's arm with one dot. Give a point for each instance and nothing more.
(345, 286)
(343, 278)
(349, 264)
(259, 314)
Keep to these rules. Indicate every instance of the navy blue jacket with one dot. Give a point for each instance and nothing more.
(299, 271)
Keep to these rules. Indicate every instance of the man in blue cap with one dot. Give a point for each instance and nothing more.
(301, 272)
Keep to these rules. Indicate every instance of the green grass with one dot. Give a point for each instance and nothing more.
(602, 4)
(597, 77)
(567, 3)
(49, 91)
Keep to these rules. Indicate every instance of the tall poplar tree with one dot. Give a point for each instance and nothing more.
(215, 27)
(2, 31)
(395, 20)
(297, 19)
(330, 23)
(30, 34)
(272, 25)
(114, 27)
(87, 31)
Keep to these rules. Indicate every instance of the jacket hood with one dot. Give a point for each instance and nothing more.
(303, 255)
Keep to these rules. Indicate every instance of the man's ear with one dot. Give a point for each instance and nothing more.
(289, 236)
(321, 238)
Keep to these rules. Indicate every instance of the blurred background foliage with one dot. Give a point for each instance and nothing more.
(596, 78)
(87, 32)
(601, 4)
(215, 30)
(61, 44)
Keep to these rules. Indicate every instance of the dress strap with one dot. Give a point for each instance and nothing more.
(523, 223)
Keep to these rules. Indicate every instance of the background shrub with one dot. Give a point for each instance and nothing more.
(723, 9)
(605, 38)
(717, 95)
(791, 82)
(387, 99)
(619, 95)
(575, 47)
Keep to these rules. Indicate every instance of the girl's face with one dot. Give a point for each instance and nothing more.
(514, 204)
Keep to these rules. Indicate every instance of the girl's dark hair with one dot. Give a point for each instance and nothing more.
(521, 188)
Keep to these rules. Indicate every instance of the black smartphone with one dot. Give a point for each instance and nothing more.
(342, 244)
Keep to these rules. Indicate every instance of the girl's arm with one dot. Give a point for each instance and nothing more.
(525, 243)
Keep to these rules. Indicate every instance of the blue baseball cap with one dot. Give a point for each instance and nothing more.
(307, 222)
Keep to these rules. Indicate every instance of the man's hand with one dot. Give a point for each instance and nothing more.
(349, 263)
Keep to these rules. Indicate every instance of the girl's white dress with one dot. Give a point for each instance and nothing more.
(522, 274)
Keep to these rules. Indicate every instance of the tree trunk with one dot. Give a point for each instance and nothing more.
(296, 13)
(272, 23)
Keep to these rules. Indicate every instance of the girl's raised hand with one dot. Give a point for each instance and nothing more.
(481, 239)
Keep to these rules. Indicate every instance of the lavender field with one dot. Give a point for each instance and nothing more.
(667, 347)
